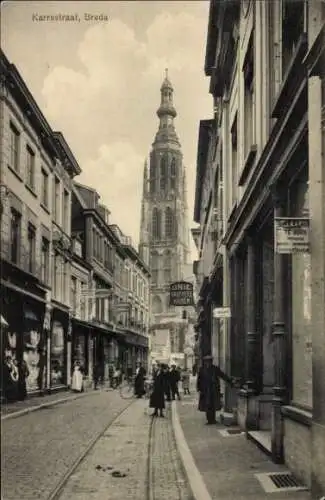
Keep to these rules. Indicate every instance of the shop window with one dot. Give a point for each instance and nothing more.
(15, 236)
(57, 354)
(14, 147)
(45, 260)
(293, 19)
(31, 247)
(44, 188)
(249, 116)
(30, 167)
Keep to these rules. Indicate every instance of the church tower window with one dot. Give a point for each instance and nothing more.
(167, 266)
(169, 223)
(156, 224)
(152, 177)
(163, 173)
(173, 173)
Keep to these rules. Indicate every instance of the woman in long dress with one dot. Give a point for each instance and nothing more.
(77, 378)
(157, 397)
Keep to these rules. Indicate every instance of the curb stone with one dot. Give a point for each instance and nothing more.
(195, 480)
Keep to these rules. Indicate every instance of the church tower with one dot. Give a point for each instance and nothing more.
(164, 232)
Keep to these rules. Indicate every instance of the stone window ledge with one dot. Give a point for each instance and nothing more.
(303, 417)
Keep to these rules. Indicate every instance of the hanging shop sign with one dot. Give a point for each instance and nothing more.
(291, 235)
(221, 312)
(181, 294)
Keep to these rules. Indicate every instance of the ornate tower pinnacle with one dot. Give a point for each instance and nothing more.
(166, 113)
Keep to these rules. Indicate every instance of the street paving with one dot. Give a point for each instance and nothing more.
(39, 448)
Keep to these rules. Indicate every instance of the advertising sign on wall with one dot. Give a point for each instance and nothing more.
(181, 294)
(291, 235)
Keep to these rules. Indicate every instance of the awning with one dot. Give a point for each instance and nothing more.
(3, 321)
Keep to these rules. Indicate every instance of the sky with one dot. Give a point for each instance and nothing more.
(98, 82)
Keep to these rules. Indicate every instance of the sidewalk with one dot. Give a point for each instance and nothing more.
(33, 403)
(222, 466)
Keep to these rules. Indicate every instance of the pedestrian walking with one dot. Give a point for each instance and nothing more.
(23, 374)
(186, 382)
(174, 378)
(208, 385)
(140, 374)
(157, 397)
(96, 375)
(77, 378)
(111, 371)
(166, 372)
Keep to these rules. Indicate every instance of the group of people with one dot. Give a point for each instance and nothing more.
(165, 386)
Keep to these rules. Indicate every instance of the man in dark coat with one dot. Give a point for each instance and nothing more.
(140, 374)
(208, 385)
(23, 375)
(174, 378)
(157, 397)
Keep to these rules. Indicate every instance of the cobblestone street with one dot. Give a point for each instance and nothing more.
(38, 454)
(39, 448)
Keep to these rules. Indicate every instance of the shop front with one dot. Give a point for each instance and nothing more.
(59, 338)
(81, 334)
(22, 338)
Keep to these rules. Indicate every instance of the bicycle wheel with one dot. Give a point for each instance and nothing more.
(126, 390)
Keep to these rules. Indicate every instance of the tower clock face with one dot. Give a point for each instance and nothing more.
(245, 7)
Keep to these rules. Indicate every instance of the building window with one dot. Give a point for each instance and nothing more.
(30, 167)
(15, 235)
(234, 160)
(169, 223)
(152, 176)
(83, 301)
(44, 188)
(293, 20)
(163, 173)
(14, 147)
(156, 224)
(173, 173)
(56, 199)
(56, 275)
(154, 276)
(73, 294)
(249, 116)
(31, 247)
(45, 260)
(65, 211)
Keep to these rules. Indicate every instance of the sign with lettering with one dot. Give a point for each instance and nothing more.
(181, 294)
(291, 235)
(221, 312)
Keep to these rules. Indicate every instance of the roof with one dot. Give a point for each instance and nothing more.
(212, 37)
(201, 163)
(67, 154)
